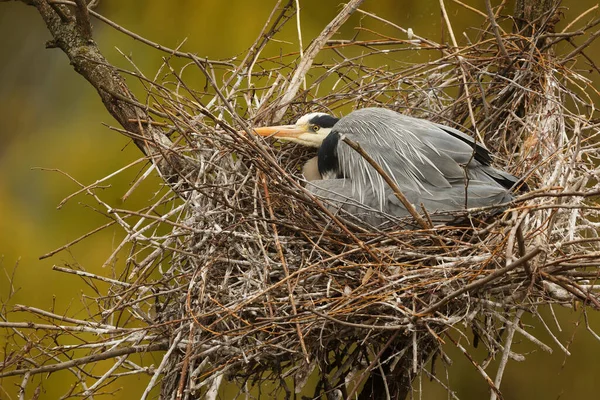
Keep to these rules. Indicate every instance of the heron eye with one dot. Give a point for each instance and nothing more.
(316, 128)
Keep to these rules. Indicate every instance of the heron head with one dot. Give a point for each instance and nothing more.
(310, 129)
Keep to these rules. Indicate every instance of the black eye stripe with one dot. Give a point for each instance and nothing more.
(324, 121)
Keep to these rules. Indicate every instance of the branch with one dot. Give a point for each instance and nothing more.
(135, 36)
(409, 207)
(579, 49)
(313, 49)
(495, 28)
(71, 36)
(88, 359)
(82, 16)
(530, 15)
(480, 282)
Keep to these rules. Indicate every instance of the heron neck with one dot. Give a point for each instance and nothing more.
(328, 162)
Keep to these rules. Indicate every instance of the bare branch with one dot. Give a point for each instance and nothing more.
(82, 17)
(87, 360)
(309, 55)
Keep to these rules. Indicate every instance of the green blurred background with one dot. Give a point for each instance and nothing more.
(50, 117)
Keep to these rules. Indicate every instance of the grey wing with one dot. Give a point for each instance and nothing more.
(422, 157)
(340, 198)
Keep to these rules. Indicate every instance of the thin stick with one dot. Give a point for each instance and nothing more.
(79, 239)
(480, 282)
(313, 49)
(141, 38)
(299, 28)
(90, 275)
(495, 28)
(463, 72)
(409, 207)
(162, 365)
(285, 268)
(579, 49)
(48, 314)
(506, 352)
(525, 334)
(484, 374)
(162, 346)
(583, 14)
(186, 362)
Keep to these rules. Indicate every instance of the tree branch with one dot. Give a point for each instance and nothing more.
(311, 52)
(82, 16)
(88, 359)
(71, 36)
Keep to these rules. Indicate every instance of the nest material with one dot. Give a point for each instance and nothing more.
(275, 286)
(261, 281)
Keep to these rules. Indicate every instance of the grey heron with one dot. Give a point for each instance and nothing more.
(434, 165)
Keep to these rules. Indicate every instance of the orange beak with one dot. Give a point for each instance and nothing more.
(279, 131)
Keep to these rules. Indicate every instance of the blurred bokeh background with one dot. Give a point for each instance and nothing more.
(51, 119)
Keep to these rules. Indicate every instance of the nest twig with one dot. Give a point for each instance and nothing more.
(238, 273)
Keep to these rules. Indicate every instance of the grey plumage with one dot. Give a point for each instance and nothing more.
(432, 164)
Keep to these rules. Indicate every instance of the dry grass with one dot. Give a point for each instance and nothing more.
(258, 280)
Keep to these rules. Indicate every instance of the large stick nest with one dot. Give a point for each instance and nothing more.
(259, 280)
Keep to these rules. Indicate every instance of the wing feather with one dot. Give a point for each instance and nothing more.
(427, 160)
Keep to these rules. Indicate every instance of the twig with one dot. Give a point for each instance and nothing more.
(90, 275)
(186, 362)
(525, 334)
(478, 367)
(552, 335)
(579, 49)
(506, 352)
(162, 365)
(141, 38)
(311, 52)
(299, 28)
(162, 346)
(495, 28)
(285, 268)
(480, 282)
(360, 326)
(79, 239)
(23, 385)
(82, 17)
(409, 207)
(583, 14)
(48, 314)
